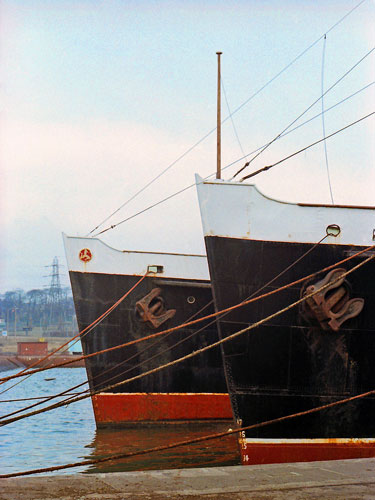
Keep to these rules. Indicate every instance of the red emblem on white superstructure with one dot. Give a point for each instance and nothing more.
(85, 255)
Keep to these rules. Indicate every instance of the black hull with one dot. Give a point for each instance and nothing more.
(95, 293)
(291, 364)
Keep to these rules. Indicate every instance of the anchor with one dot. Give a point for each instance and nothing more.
(332, 306)
(151, 309)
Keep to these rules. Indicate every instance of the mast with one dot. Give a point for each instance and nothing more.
(218, 128)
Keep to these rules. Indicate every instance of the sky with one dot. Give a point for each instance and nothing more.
(99, 97)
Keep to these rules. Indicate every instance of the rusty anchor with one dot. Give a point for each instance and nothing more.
(319, 298)
(151, 309)
(332, 306)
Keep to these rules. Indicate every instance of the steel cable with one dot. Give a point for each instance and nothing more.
(215, 344)
(228, 117)
(305, 111)
(150, 207)
(307, 147)
(323, 121)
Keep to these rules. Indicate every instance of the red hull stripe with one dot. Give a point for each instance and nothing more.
(275, 452)
(157, 407)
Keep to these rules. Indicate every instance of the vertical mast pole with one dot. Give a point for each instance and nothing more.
(218, 128)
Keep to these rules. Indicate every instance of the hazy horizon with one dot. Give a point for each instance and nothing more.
(99, 97)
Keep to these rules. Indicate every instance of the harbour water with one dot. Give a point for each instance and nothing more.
(68, 434)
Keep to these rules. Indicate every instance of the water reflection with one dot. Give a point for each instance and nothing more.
(68, 435)
(218, 452)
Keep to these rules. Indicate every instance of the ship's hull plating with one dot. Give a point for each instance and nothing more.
(291, 364)
(194, 389)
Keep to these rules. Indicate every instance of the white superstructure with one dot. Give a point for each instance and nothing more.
(238, 210)
(91, 255)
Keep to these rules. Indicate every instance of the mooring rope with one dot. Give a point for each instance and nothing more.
(209, 316)
(200, 439)
(199, 351)
(296, 261)
(17, 400)
(65, 392)
(26, 372)
(164, 338)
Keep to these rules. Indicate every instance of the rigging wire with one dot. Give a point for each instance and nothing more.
(150, 207)
(221, 341)
(153, 180)
(323, 121)
(146, 209)
(321, 113)
(231, 119)
(300, 55)
(252, 96)
(304, 112)
(307, 147)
